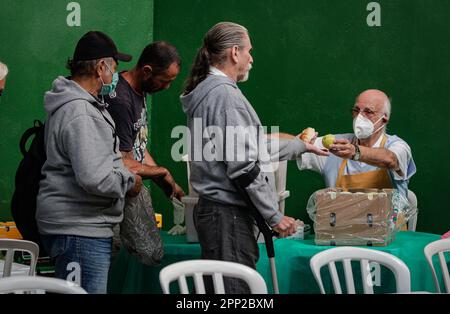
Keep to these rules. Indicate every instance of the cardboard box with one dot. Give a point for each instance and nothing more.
(354, 217)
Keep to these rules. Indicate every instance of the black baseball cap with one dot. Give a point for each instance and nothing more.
(96, 45)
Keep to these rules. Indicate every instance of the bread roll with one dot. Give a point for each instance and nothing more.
(308, 134)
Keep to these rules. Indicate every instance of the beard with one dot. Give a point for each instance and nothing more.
(247, 74)
(149, 87)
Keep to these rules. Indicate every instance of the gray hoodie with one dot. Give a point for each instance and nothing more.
(219, 103)
(84, 185)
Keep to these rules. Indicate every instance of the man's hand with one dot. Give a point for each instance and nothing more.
(310, 148)
(133, 165)
(137, 187)
(178, 192)
(145, 171)
(286, 227)
(343, 148)
(379, 157)
(166, 183)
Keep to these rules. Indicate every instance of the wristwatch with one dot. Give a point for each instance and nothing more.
(357, 154)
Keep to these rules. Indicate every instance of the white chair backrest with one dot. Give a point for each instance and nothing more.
(37, 283)
(439, 247)
(217, 269)
(365, 256)
(412, 199)
(13, 245)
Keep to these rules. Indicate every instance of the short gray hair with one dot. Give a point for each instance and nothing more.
(3, 71)
(85, 68)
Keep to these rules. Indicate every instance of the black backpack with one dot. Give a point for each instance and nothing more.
(28, 176)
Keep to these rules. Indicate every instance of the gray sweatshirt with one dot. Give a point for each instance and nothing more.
(219, 103)
(85, 181)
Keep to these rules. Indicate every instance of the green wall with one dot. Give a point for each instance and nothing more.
(312, 57)
(35, 43)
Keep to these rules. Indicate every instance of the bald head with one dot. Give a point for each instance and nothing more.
(3, 74)
(376, 100)
(3, 70)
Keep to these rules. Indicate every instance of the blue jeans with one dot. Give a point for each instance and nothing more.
(82, 260)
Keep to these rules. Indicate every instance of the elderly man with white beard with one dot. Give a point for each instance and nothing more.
(223, 214)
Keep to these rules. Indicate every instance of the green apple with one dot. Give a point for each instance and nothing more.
(328, 140)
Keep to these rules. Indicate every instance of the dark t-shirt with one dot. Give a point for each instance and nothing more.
(129, 111)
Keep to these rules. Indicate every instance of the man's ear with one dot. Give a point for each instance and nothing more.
(147, 71)
(100, 68)
(235, 53)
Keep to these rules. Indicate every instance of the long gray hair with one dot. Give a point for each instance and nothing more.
(217, 40)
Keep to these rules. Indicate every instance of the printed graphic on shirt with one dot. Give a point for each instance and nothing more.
(129, 111)
(141, 129)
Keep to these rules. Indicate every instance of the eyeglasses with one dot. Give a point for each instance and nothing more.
(368, 113)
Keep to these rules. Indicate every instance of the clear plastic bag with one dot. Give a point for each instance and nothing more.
(358, 217)
(178, 218)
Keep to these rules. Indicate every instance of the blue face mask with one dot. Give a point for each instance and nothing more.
(109, 88)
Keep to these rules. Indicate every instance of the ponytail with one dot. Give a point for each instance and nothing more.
(199, 70)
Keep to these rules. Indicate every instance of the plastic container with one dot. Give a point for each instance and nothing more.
(189, 203)
(282, 196)
(192, 193)
(301, 232)
(280, 170)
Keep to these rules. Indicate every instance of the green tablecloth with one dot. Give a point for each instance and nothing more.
(128, 275)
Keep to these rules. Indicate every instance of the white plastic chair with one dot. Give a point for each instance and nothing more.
(13, 245)
(439, 247)
(365, 256)
(22, 284)
(218, 269)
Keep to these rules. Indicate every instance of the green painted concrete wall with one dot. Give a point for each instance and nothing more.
(312, 57)
(35, 43)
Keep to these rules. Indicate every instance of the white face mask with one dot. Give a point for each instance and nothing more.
(363, 127)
